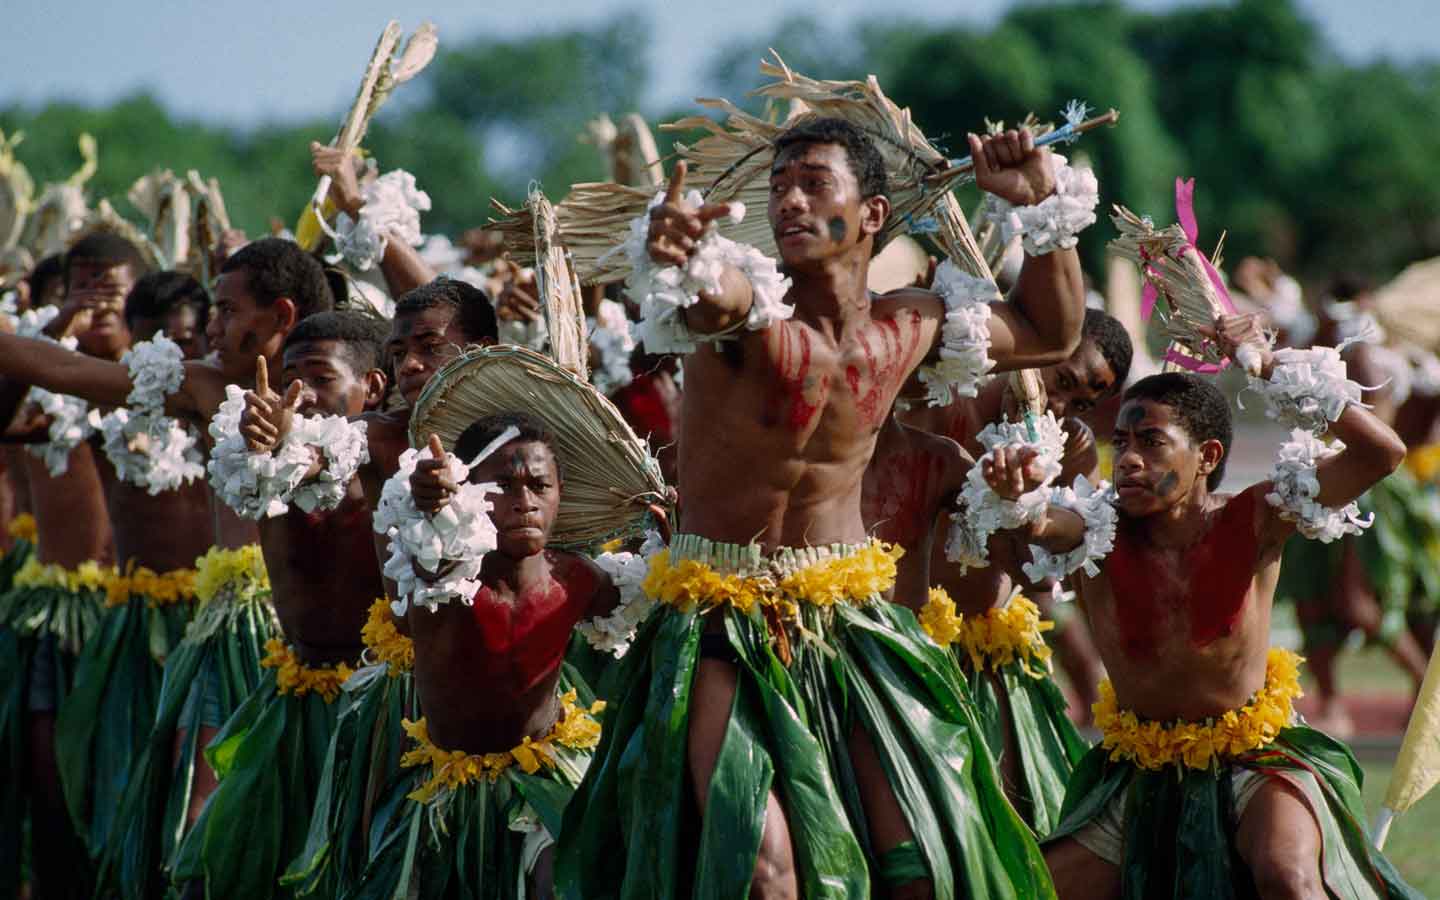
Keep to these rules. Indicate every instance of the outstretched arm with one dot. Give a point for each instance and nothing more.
(101, 382)
(1039, 325)
(675, 231)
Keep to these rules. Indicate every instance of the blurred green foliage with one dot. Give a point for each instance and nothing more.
(1322, 164)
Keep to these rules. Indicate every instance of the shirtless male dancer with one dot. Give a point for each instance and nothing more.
(331, 368)
(1204, 785)
(777, 427)
(73, 529)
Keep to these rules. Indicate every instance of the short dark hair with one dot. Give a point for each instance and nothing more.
(865, 160)
(275, 268)
(1112, 340)
(107, 248)
(475, 438)
(1201, 408)
(156, 294)
(472, 305)
(46, 271)
(362, 337)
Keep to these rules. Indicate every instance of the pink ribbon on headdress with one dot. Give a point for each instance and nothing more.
(1185, 213)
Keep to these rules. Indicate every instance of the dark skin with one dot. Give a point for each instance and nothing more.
(321, 606)
(511, 640)
(797, 418)
(402, 266)
(1186, 596)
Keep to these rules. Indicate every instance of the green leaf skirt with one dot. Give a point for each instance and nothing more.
(633, 830)
(1179, 824)
(1045, 741)
(208, 675)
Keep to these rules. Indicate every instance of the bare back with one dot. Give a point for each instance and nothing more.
(162, 532)
(911, 479)
(777, 427)
(1197, 616)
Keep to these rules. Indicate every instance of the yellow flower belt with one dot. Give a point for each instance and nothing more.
(167, 589)
(23, 528)
(830, 579)
(294, 677)
(1012, 633)
(88, 576)
(239, 574)
(1198, 745)
(1424, 462)
(449, 769)
(383, 641)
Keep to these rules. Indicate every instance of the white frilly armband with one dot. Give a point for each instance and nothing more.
(1307, 389)
(1055, 222)
(980, 511)
(1295, 487)
(261, 485)
(391, 209)
(154, 452)
(69, 427)
(69, 416)
(613, 633)
(451, 544)
(964, 338)
(665, 292)
(610, 339)
(1096, 505)
(149, 449)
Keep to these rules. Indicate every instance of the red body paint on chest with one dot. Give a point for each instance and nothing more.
(524, 640)
(791, 401)
(876, 387)
(1207, 589)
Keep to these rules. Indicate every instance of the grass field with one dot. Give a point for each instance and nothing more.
(1415, 836)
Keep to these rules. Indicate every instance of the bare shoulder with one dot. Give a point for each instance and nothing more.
(581, 575)
(926, 302)
(1082, 455)
(956, 460)
(205, 385)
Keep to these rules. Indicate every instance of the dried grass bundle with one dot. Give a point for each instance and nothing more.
(609, 474)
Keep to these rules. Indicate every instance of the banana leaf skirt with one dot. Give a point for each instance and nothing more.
(818, 654)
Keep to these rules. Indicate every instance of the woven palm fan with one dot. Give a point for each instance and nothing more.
(62, 209)
(208, 221)
(533, 238)
(1171, 264)
(1407, 307)
(165, 201)
(385, 71)
(610, 477)
(17, 192)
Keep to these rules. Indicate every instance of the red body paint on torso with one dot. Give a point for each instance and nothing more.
(1206, 587)
(884, 364)
(523, 641)
(791, 402)
(898, 496)
(643, 408)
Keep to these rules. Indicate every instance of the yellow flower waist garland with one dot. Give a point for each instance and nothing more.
(1198, 745)
(1423, 462)
(23, 528)
(239, 574)
(88, 576)
(158, 589)
(383, 641)
(449, 769)
(845, 579)
(1012, 633)
(294, 677)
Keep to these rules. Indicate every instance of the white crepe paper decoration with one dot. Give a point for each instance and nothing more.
(1096, 505)
(613, 633)
(391, 210)
(1055, 222)
(1307, 389)
(69, 428)
(156, 453)
(613, 344)
(982, 512)
(665, 292)
(1295, 487)
(964, 337)
(451, 544)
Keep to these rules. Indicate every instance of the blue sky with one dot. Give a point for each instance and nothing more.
(243, 62)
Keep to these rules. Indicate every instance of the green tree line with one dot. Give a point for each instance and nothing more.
(1299, 155)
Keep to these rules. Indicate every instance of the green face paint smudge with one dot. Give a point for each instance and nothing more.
(838, 230)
